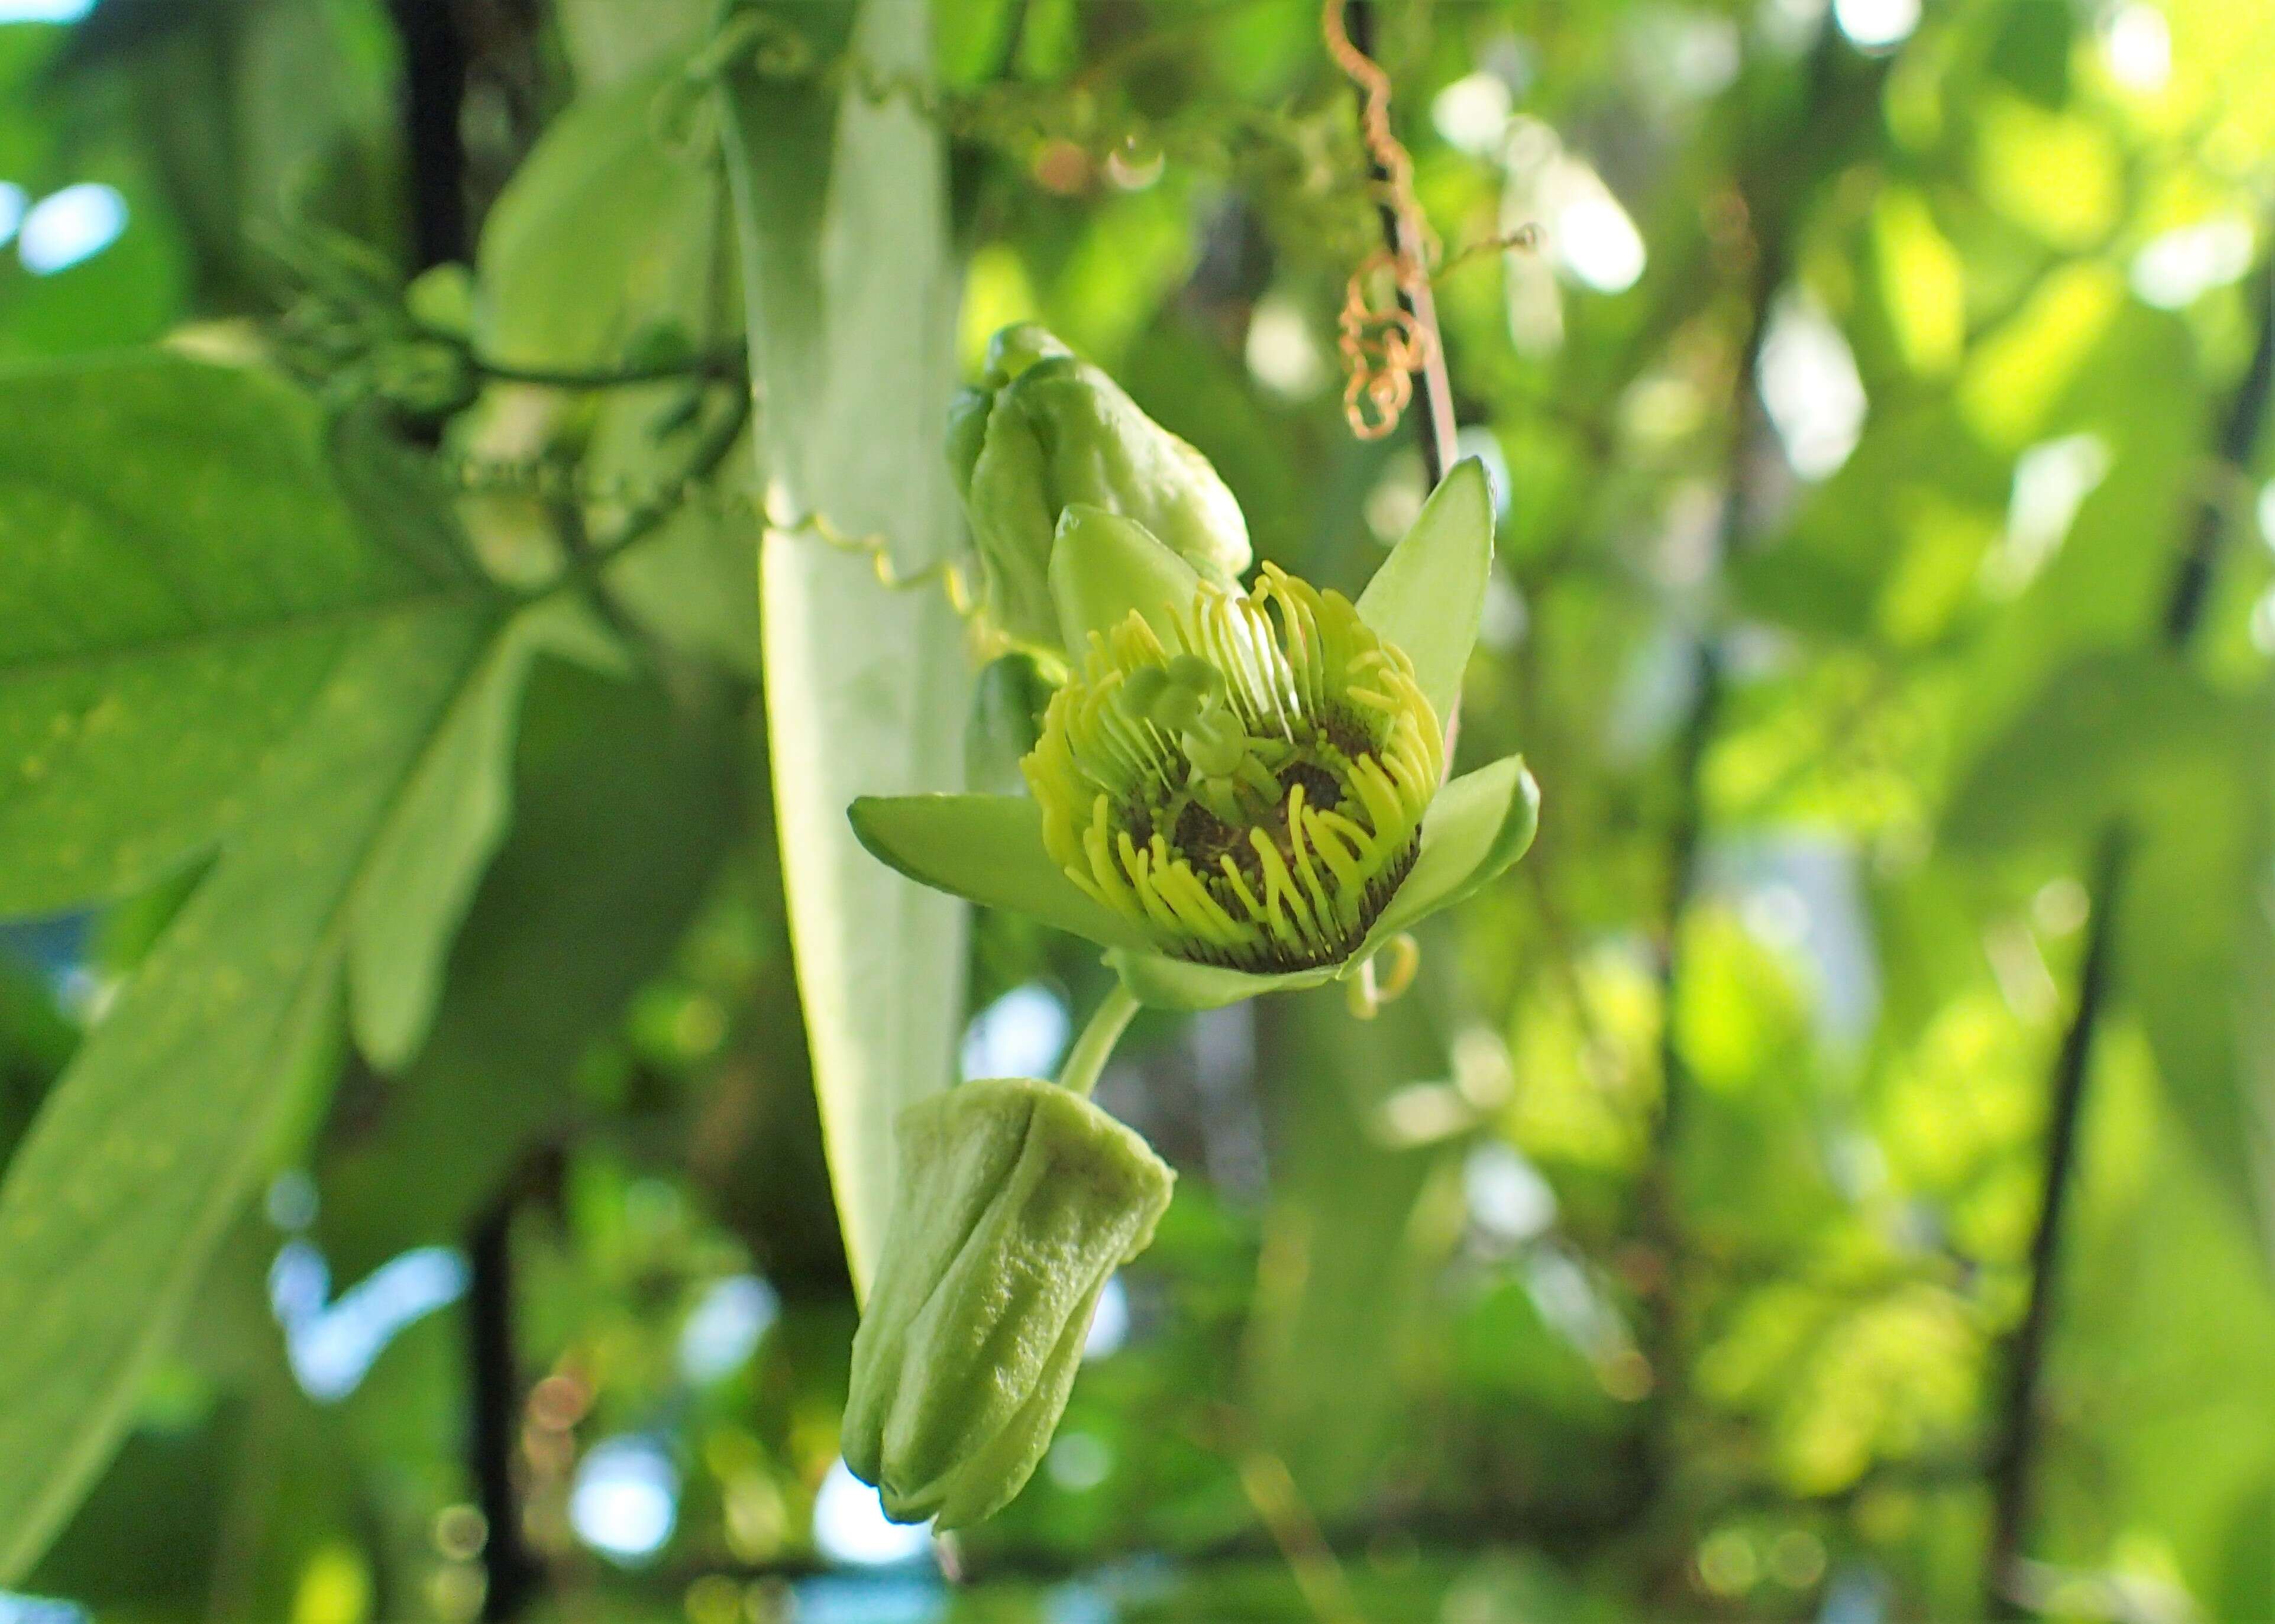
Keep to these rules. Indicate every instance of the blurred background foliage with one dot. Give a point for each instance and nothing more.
(1885, 605)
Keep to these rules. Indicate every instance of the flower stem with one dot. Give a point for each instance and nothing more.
(1091, 1051)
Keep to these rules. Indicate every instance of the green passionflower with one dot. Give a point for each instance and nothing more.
(1238, 791)
(1045, 430)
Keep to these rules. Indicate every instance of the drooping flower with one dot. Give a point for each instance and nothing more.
(1236, 792)
(1017, 1200)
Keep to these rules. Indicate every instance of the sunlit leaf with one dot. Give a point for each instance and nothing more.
(156, 1133)
(187, 577)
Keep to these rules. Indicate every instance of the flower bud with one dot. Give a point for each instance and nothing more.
(1017, 1200)
(1045, 429)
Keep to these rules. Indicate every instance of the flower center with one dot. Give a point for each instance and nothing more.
(1247, 786)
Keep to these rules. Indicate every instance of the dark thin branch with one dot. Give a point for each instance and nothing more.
(495, 1401)
(2015, 1452)
(2239, 437)
(1434, 401)
(709, 453)
(434, 92)
(2014, 1455)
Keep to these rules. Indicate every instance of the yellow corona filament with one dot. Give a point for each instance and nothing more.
(1342, 754)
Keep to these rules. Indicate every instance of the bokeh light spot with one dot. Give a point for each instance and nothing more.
(67, 227)
(849, 1525)
(625, 1502)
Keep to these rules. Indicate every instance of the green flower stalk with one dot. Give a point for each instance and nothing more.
(1018, 1199)
(1045, 430)
(1238, 791)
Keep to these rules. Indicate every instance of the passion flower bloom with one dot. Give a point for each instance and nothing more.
(1238, 791)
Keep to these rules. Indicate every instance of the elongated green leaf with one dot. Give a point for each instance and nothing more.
(865, 688)
(1323, 1370)
(628, 801)
(444, 828)
(181, 577)
(164, 1119)
(1429, 595)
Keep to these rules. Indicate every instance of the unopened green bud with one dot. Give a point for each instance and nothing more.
(1017, 1201)
(1019, 346)
(1045, 430)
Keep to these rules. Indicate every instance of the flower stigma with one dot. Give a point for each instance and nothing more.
(1246, 780)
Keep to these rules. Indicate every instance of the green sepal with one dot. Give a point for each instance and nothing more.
(1475, 827)
(1160, 982)
(986, 848)
(1103, 566)
(1428, 597)
(967, 434)
(1007, 499)
(1017, 1201)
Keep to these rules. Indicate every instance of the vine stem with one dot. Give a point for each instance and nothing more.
(1088, 1057)
(724, 367)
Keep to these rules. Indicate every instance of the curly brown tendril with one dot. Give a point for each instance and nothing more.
(1525, 239)
(1382, 347)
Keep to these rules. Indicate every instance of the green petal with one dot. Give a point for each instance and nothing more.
(987, 849)
(1429, 594)
(1103, 566)
(1163, 983)
(1477, 826)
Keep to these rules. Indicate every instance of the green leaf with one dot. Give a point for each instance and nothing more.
(2137, 742)
(987, 849)
(1477, 826)
(1103, 566)
(184, 577)
(2102, 739)
(180, 1097)
(865, 688)
(445, 829)
(593, 234)
(608, 40)
(1429, 595)
(628, 801)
